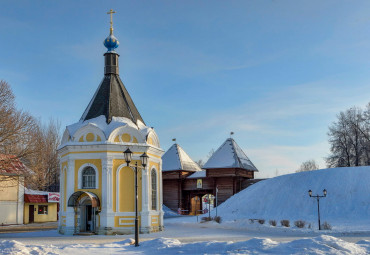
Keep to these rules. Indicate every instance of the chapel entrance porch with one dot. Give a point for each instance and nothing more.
(86, 207)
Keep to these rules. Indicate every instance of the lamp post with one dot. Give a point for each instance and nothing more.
(318, 203)
(144, 161)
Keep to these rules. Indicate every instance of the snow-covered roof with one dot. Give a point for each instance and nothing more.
(198, 174)
(36, 192)
(107, 129)
(229, 155)
(177, 159)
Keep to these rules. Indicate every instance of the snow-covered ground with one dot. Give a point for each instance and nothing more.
(346, 208)
(318, 245)
(186, 235)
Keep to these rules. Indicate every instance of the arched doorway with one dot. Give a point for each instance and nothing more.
(86, 206)
(87, 215)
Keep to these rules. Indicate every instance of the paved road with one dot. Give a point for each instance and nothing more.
(189, 232)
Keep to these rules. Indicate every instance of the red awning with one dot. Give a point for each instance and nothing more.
(28, 198)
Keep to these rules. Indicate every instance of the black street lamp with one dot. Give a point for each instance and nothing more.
(318, 203)
(144, 161)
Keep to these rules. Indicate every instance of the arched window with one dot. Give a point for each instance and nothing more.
(154, 189)
(88, 178)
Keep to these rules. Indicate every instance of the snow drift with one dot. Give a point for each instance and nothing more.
(318, 245)
(168, 212)
(286, 197)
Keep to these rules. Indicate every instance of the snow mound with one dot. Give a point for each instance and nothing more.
(320, 245)
(286, 197)
(168, 212)
(13, 247)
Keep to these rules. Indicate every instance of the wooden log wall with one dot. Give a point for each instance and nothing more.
(225, 188)
(179, 190)
(171, 194)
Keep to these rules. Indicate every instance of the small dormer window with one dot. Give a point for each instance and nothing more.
(88, 178)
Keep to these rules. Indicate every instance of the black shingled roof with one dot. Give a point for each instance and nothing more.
(112, 99)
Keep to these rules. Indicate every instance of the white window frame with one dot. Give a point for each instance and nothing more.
(80, 170)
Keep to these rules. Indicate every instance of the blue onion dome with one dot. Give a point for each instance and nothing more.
(111, 43)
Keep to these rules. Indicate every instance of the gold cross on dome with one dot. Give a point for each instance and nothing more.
(111, 12)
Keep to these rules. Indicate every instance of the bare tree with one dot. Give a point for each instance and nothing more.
(23, 138)
(200, 163)
(362, 126)
(45, 164)
(308, 165)
(17, 128)
(210, 153)
(349, 139)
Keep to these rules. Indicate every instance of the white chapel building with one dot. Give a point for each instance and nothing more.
(96, 185)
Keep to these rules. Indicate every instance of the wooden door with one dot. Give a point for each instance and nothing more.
(31, 214)
(195, 206)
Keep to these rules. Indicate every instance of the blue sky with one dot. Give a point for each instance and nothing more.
(274, 72)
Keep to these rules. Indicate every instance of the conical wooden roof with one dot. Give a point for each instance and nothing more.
(177, 159)
(229, 155)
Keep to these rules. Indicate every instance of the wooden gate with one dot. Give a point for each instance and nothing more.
(195, 206)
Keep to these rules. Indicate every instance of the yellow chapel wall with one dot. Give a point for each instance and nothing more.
(126, 176)
(126, 191)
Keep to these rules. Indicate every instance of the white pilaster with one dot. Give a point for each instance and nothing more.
(160, 182)
(106, 214)
(70, 214)
(145, 213)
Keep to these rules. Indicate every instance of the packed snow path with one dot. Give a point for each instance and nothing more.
(187, 229)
